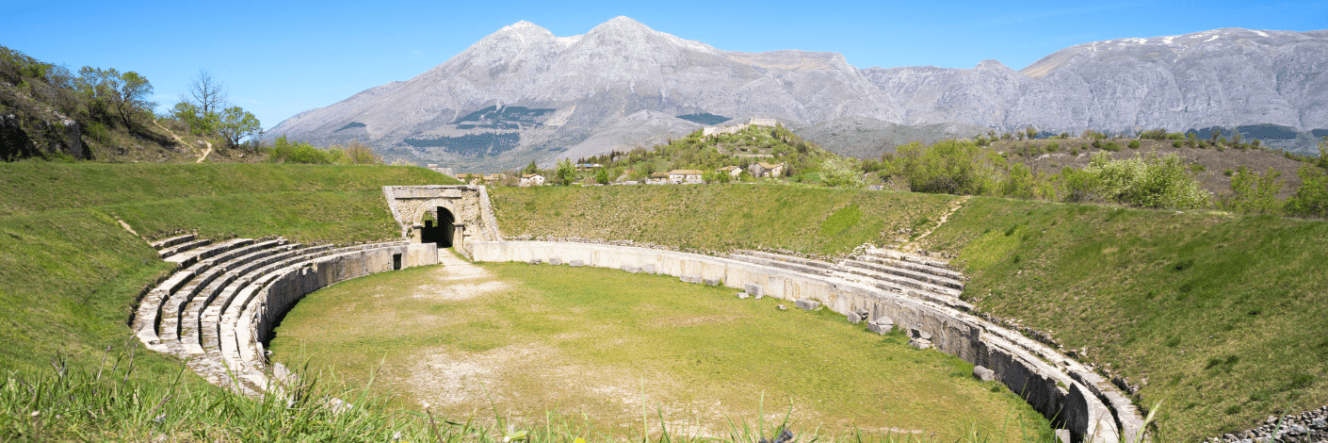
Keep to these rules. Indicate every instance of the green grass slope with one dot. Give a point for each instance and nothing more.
(69, 274)
(1221, 317)
(720, 218)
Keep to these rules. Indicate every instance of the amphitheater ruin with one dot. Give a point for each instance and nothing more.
(219, 307)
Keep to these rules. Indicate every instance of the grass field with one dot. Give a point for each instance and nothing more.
(1219, 316)
(522, 340)
(809, 220)
(69, 274)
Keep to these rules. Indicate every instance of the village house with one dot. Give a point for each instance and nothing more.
(734, 129)
(734, 172)
(528, 180)
(688, 176)
(658, 178)
(493, 179)
(763, 169)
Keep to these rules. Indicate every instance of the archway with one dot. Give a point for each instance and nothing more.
(439, 227)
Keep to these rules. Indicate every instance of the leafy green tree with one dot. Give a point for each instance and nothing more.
(842, 172)
(1031, 132)
(199, 122)
(236, 124)
(950, 166)
(602, 176)
(565, 172)
(1152, 182)
(531, 168)
(1252, 193)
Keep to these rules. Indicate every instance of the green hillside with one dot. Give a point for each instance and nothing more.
(69, 274)
(1218, 316)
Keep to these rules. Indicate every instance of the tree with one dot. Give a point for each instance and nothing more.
(1032, 133)
(199, 123)
(1311, 199)
(207, 94)
(531, 168)
(236, 124)
(602, 176)
(841, 172)
(565, 172)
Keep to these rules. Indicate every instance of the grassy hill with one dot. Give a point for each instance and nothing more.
(70, 274)
(1219, 316)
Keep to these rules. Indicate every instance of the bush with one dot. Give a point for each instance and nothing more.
(950, 166)
(1152, 182)
(284, 151)
(1311, 199)
(1134, 144)
(841, 172)
(1252, 193)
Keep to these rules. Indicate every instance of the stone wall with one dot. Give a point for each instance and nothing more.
(1069, 393)
(469, 205)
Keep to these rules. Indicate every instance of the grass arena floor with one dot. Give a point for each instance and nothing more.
(623, 352)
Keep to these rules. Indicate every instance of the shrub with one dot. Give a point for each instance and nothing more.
(1134, 144)
(284, 151)
(1176, 144)
(841, 172)
(1152, 182)
(1311, 199)
(1111, 146)
(950, 166)
(1252, 193)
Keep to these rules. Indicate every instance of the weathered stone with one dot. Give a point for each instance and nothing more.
(742, 295)
(920, 343)
(781, 307)
(880, 328)
(556, 261)
(807, 304)
(756, 290)
(883, 321)
(984, 374)
(1063, 436)
(713, 282)
(919, 334)
(536, 261)
(853, 318)
(649, 269)
(577, 263)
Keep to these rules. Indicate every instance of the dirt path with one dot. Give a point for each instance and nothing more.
(181, 141)
(954, 206)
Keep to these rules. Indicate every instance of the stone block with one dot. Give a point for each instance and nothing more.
(649, 269)
(1063, 436)
(807, 304)
(880, 328)
(742, 295)
(920, 343)
(756, 290)
(536, 261)
(577, 263)
(713, 282)
(690, 279)
(781, 307)
(883, 321)
(556, 261)
(983, 373)
(853, 318)
(919, 334)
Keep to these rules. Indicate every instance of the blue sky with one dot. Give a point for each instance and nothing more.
(279, 58)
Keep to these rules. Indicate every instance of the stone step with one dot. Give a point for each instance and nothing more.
(916, 259)
(147, 318)
(782, 264)
(217, 264)
(922, 277)
(188, 258)
(193, 310)
(172, 241)
(210, 315)
(906, 282)
(787, 258)
(911, 266)
(183, 247)
(952, 301)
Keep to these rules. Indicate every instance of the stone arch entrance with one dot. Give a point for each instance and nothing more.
(439, 227)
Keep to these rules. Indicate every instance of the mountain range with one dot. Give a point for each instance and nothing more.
(523, 94)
